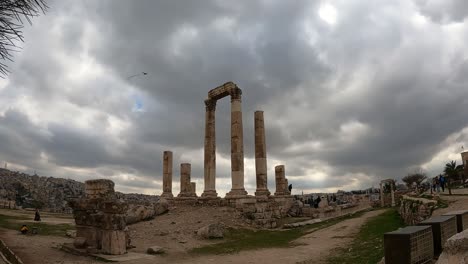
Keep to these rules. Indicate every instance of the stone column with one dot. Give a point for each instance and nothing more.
(260, 155)
(210, 150)
(167, 175)
(237, 146)
(392, 193)
(382, 202)
(185, 186)
(280, 180)
(193, 188)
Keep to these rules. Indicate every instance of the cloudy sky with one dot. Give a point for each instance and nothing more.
(354, 91)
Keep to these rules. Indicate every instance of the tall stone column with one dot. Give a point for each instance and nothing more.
(167, 175)
(280, 180)
(260, 155)
(185, 185)
(382, 201)
(392, 193)
(193, 188)
(210, 150)
(237, 145)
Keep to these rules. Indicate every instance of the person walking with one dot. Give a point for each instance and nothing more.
(437, 184)
(442, 182)
(37, 216)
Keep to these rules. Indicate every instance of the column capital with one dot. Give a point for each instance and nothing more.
(210, 105)
(236, 94)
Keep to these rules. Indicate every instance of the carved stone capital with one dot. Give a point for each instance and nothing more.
(210, 105)
(236, 94)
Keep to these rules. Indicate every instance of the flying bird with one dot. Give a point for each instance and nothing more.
(135, 75)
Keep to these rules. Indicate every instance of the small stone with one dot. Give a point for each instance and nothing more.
(154, 250)
(71, 233)
(173, 223)
(211, 231)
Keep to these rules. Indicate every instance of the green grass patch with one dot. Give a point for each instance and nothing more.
(237, 240)
(367, 247)
(15, 223)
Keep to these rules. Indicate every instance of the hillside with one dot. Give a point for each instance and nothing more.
(49, 193)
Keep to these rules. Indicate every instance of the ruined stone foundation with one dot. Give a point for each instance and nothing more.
(100, 219)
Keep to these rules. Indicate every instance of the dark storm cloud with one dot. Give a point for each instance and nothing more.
(347, 102)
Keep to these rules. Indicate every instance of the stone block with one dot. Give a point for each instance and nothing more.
(154, 250)
(113, 222)
(211, 231)
(90, 233)
(114, 242)
(80, 242)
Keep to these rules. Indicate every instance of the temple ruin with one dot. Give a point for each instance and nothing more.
(263, 209)
(187, 188)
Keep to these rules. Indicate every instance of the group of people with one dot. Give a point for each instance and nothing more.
(25, 229)
(438, 183)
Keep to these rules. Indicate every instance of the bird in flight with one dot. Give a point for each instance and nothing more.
(135, 75)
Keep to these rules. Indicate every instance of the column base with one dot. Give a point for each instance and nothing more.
(236, 193)
(167, 195)
(209, 194)
(262, 192)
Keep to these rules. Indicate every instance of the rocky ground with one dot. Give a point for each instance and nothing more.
(175, 232)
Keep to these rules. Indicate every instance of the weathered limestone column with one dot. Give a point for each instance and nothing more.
(193, 188)
(280, 180)
(260, 155)
(210, 150)
(382, 202)
(237, 145)
(185, 185)
(167, 175)
(392, 193)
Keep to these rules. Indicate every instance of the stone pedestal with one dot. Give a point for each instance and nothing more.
(210, 150)
(167, 175)
(100, 218)
(280, 180)
(237, 146)
(185, 185)
(260, 156)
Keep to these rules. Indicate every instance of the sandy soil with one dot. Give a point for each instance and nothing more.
(313, 247)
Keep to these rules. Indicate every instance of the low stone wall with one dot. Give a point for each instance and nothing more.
(455, 250)
(7, 204)
(9, 254)
(335, 211)
(414, 210)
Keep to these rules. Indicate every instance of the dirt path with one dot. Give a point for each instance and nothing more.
(313, 248)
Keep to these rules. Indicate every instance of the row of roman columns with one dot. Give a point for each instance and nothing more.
(187, 188)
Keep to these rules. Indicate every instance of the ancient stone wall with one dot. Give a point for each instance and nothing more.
(414, 210)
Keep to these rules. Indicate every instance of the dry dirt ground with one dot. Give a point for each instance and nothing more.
(175, 232)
